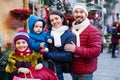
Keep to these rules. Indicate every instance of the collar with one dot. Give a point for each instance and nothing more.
(85, 23)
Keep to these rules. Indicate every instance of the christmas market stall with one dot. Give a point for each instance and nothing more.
(95, 13)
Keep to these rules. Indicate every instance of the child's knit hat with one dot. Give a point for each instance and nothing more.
(21, 34)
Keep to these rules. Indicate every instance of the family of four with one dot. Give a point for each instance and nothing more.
(80, 45)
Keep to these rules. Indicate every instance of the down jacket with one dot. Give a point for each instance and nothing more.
(37, 39)
(89, 50)
(58, 54)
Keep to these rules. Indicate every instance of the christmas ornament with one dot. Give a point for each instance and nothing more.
(42, 51)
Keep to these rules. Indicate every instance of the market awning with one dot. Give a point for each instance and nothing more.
(94, 6)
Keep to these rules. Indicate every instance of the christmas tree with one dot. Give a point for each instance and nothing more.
(59, 6)
(67, 7)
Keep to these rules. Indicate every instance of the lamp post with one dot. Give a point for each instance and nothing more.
(0, 43)
(25, 4)
(33, 6)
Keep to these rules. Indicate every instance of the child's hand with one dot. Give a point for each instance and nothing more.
(49, 41)
(24, 70)
(38, 66)
(42, 44)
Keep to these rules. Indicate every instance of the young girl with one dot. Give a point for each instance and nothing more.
(61, 35)
(22, 57)
(39, 39)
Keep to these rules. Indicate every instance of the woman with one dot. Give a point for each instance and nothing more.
(61, 35)
(114, 38)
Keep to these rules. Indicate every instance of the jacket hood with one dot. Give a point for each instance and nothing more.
(32, 20)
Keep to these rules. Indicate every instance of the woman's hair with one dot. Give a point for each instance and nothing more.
(56, 12)
(115, 24)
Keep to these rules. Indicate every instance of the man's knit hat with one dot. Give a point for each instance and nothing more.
(82, 6)
(21, 34)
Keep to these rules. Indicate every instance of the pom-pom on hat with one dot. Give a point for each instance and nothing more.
(21, 34)
(82, 6)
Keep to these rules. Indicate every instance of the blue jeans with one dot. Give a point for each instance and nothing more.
(58, 69)
(82, 76)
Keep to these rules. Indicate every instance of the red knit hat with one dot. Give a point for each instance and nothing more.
(21, 34)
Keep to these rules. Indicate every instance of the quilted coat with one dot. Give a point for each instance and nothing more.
(89, 50)
(58, 54)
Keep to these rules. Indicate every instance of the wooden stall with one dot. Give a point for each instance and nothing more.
(7, 29)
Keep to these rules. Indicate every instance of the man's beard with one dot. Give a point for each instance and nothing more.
(79, 21)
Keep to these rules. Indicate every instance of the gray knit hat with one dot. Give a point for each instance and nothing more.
(82, 6)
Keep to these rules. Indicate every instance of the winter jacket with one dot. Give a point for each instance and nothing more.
(16, 61)
(90, 44)
(115, 35)
(36, 39)
(58, 54)
(118, 29)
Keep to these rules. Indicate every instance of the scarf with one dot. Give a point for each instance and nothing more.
(27, 52)
(79, 28)
(56, 34)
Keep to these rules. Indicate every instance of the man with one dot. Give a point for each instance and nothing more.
(88, 45)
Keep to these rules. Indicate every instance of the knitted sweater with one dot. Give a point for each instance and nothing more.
(16, 61)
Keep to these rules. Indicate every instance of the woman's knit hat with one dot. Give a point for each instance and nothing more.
(21, 34)
(82, 6)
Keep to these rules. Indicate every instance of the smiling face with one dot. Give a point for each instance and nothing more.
(38, 27)
(56, 21)
(79, 15)
(21, 45)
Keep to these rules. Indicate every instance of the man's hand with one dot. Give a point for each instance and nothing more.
(70, 47)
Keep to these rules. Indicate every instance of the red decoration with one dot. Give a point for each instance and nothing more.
(70, 18)
(42, 51)
(47, 12)
(20, 14)
(45, 30)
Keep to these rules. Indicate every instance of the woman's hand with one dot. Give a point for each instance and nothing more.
(24, 70)
(38, 66)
